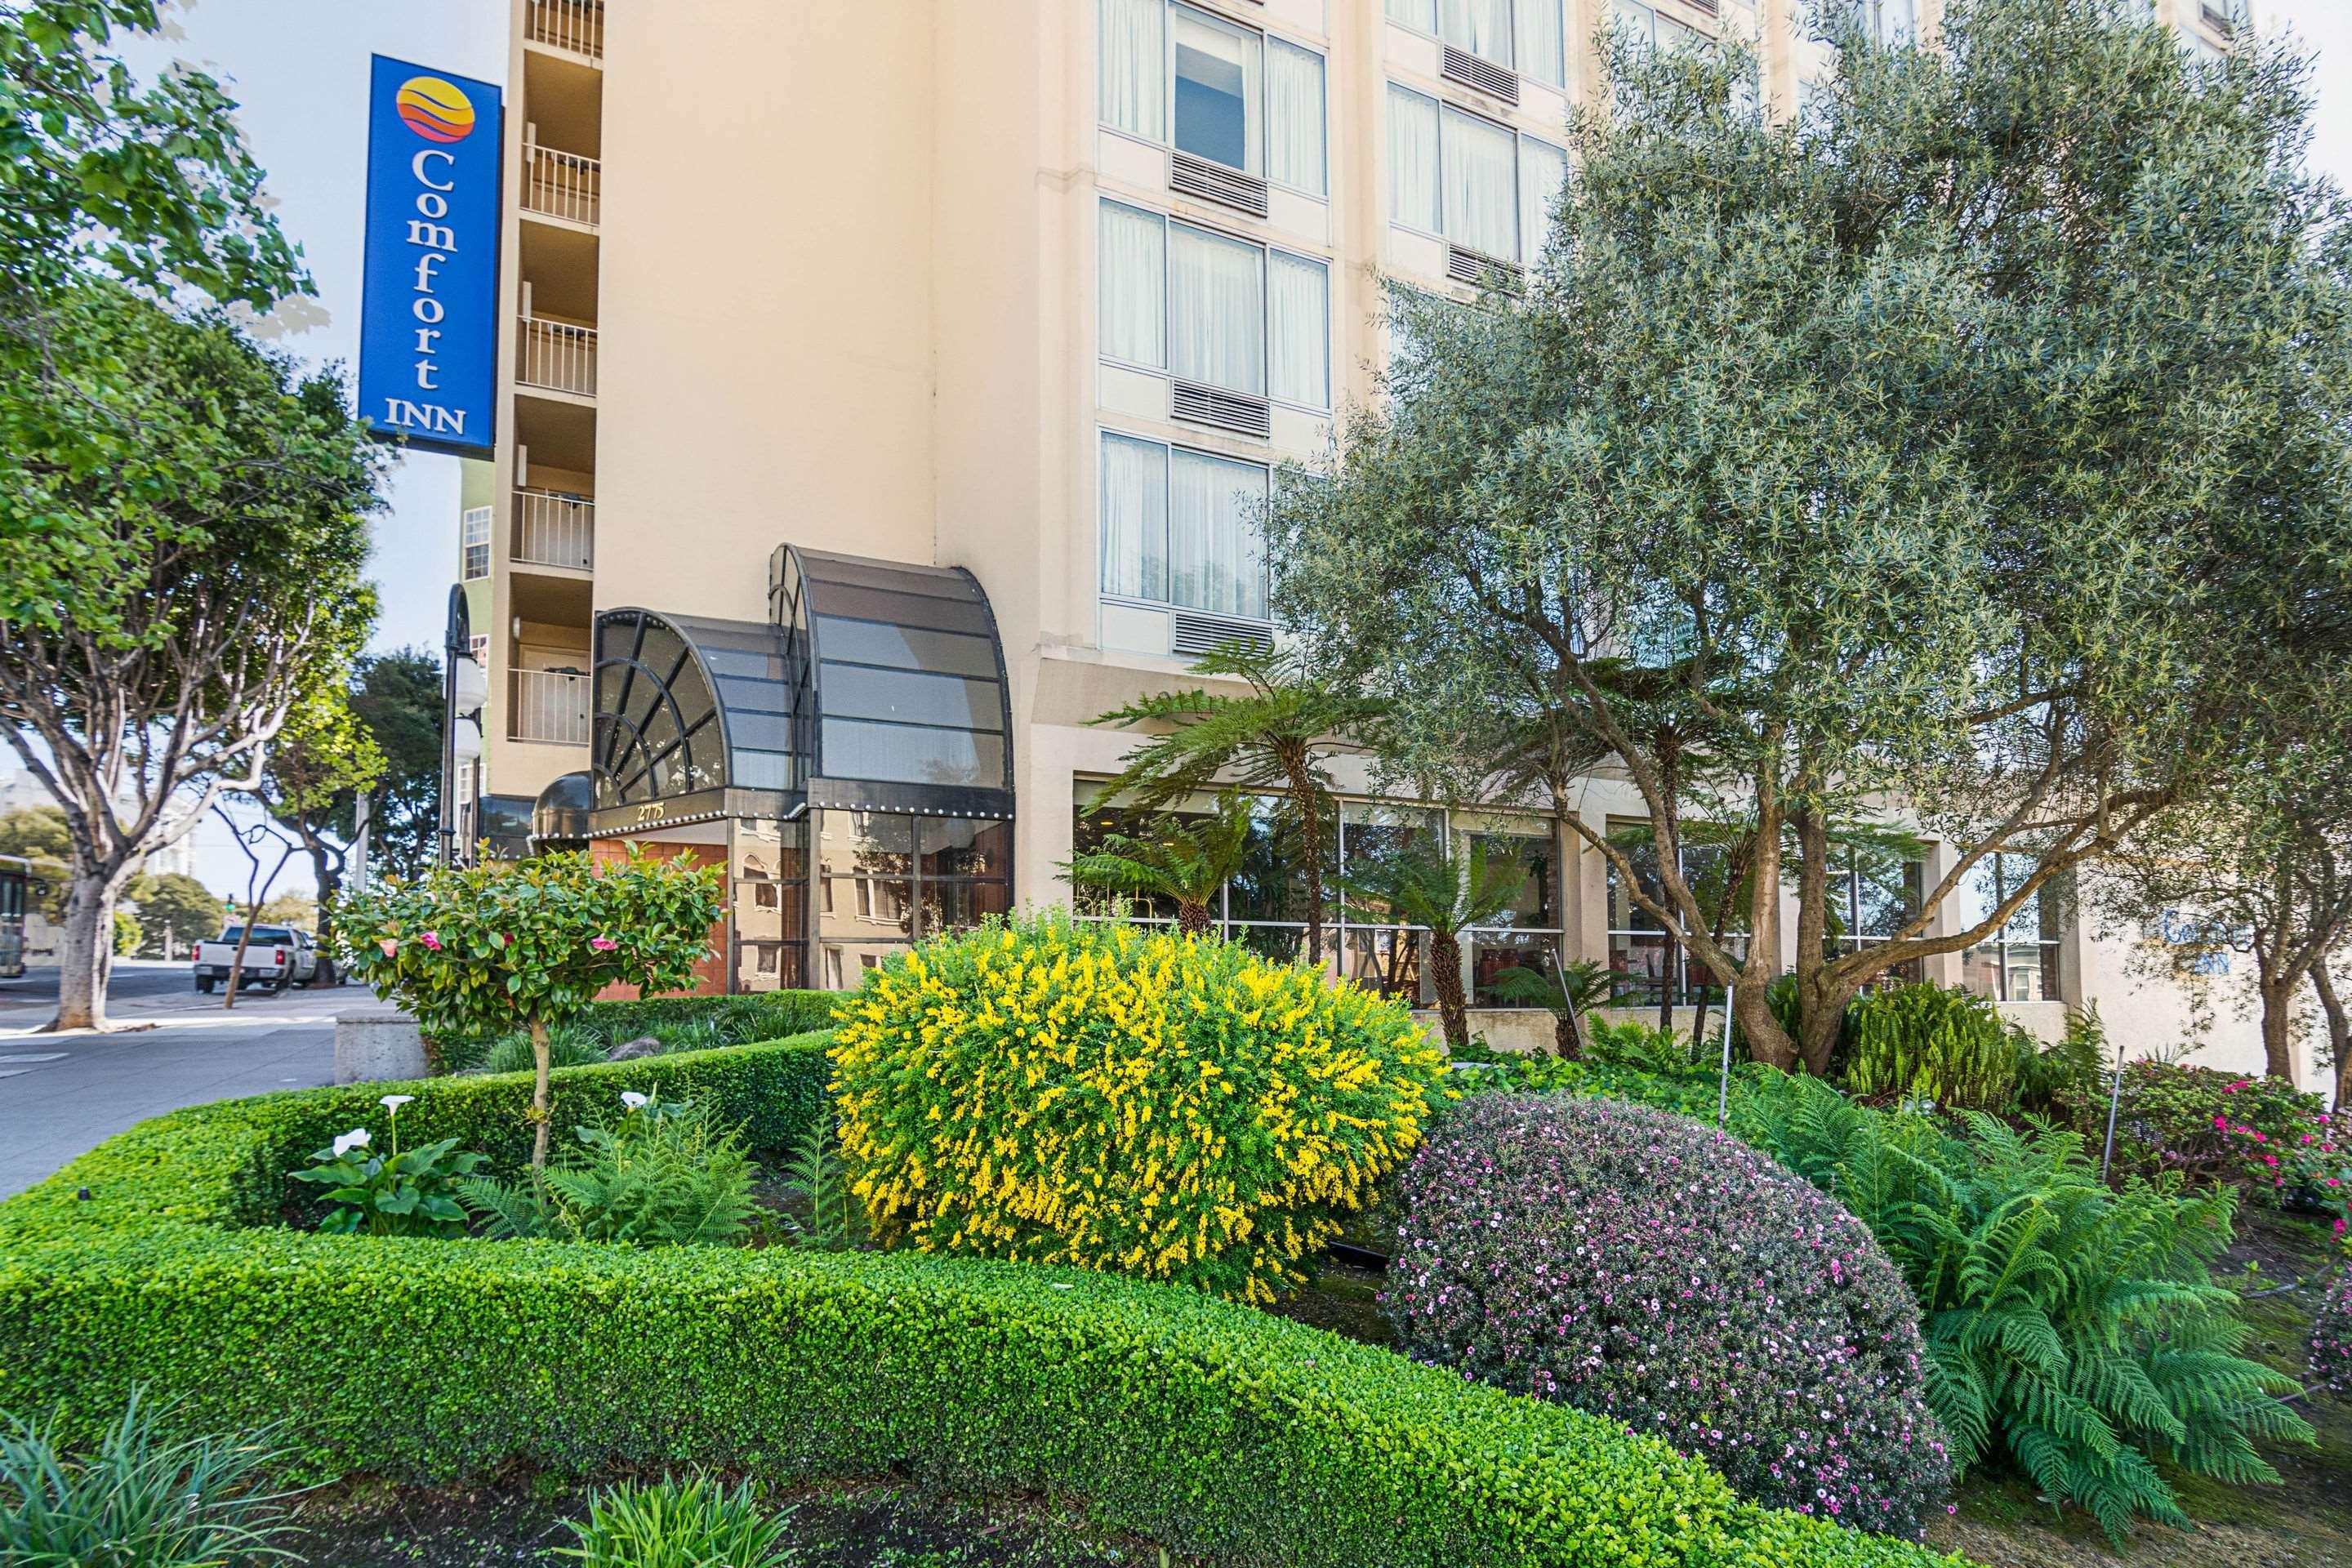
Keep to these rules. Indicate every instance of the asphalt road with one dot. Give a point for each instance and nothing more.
(61, 1095)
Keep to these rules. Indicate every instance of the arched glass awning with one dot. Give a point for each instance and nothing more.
(900, 696)
(560, 814)
(693, 720)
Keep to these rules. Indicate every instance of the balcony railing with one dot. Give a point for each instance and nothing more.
(558, 356)
(576, 26)
(561, 184)
(550, 707)
(554, 530)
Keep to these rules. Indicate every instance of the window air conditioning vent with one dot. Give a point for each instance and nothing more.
(1194, 635)
(1712, 7)
(2221, 18)
(1239, 412)
(1190, 176)
(1485, 272)
(1491, 80)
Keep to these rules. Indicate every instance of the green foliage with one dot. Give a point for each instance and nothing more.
(2072, 1330)
(398, 698)
(1948, 1047)
(38, 834)
(1187, 863)
(1631, 1043)
(1123, 1097)
(480, 950)
(1212, 1428)
(2210, 1127)
(409, 1191)
(570, 1046)
(693, 1523)
(177, 903)
(2069, 1078)
(676, 1021)
(140, 1499)
(833, 1221)
(661, 1173)
(127, 934)
(1419, 885)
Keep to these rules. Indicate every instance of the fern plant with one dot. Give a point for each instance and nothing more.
(816, 1169)
(2071, 1330)
(1948, 1047)
(665, 1173)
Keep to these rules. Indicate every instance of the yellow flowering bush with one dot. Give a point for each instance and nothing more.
(1123, 1098)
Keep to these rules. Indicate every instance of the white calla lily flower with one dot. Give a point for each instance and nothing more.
(393, 1103)
(633, 1100)
(357, 1138)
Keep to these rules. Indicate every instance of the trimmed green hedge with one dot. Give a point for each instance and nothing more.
(1211, 1427)
(740, 1020)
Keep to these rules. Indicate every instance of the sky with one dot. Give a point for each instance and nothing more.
(299, 70)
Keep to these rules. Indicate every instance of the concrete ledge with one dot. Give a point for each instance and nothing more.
(371, 1047)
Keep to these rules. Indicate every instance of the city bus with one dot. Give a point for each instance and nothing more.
(15, 892)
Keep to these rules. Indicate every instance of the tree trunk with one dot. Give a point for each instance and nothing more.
(539, 1115)
(1192, 920)
(1817, 1025)
(2339, 1032)
(1767, 1041)
(1310, 839)
(2275, 983)
(1564, 1040)
(1446, 975)
(86, 953)
(236, 964)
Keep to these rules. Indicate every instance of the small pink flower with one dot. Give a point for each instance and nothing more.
(390, 947)
(602, 944)
(429, 940)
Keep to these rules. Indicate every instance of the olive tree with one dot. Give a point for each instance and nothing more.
(1968, 450)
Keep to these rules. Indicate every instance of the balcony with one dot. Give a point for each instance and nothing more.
(556, 356)
(574, 26)
(562, 185)
(552, 529)
(549, 706)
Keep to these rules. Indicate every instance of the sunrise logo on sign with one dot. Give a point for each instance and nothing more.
(435, 108)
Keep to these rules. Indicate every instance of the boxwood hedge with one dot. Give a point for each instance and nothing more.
(1212, 1427)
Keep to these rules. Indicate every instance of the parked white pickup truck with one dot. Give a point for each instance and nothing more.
(277, 957)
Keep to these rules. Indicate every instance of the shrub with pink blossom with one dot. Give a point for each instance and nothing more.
(1641, 1266)
(2331, 1339)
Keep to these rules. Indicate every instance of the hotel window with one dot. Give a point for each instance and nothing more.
(1477, 183)
(1213, 309)
(1873, 894)
(1648, 965)
(1180, 527)
(2019, 961)
(1218, 91)
(1888, 21)
(475, 542)
(1528, 36)
(1643, 24)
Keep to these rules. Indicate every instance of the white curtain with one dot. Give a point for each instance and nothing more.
(1543, 169)
(1543, 41)
(1422, 13)
(1298, 331)
(1295, 119)
(1134, 518)
(1483, 27)
(1134, 294)
(1412, 160)
(1216, 310)
(1220, 90)
(1134, 68)
(1216, 556)
(1482, 185)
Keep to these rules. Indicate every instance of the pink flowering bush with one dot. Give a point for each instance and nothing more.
(1640, 1265)
(2331, 1339)
(2217, 1128)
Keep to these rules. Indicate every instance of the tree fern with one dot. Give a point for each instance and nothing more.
(2072, 1330)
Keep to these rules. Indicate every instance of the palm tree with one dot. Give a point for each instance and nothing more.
(1569, 992)
(1270, 738)
(1185, 862)
(1419, 886)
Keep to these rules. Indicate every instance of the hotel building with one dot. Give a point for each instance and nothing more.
(888, 386)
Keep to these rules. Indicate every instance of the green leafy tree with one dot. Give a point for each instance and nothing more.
(1419, 885)
(1186, 862)
(324, 758)
(1971, 447)
(477, 952)
(127, 934)
(174, 903)
(1274, 735)
(398, 699)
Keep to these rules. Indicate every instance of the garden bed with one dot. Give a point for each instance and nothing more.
(525, 1520)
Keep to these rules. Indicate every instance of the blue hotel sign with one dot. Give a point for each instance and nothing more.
(429, 330)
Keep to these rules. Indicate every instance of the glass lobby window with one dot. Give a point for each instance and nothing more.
(2019, 961)
(1180, 527)
(1525, 936)
(1213, 309)
(767, 869)
(1528, 35)
(1463, 177)
(1171, 74)
(1873, 895)
(1653, 964)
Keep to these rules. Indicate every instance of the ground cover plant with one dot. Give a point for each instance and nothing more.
(1124, 1098)
(1637, 1264)
(659, 1172)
